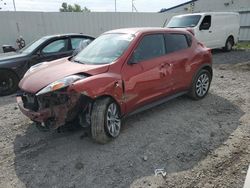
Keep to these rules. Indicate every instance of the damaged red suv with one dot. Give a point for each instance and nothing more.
(121, 72)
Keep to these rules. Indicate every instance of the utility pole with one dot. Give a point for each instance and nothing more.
(133, 6)
(115, 5)
(14, 4)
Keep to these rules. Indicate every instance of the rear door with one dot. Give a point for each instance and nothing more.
(144, 79)
(179, 55)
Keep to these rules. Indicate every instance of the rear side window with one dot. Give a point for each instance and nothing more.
(150, 46)
(175, 42)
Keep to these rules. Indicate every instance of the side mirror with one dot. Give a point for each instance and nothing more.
(204, 26)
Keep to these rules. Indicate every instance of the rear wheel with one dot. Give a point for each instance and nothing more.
(105, 120)
(8, 82)
(200, 85)
(229, 44)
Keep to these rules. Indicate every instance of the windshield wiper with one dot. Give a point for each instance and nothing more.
(77, 61)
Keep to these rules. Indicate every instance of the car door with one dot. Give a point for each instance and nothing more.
(52, 50)
(205, 34)
(179, 55)
(145, 74)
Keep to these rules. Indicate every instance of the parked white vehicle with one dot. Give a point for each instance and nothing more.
(214, 29)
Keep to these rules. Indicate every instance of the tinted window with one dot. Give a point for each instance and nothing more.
(32, 46)
(175, 42)
(56, 46)
(206, 22)
(77, 42)
(184, 21)
(149, 47)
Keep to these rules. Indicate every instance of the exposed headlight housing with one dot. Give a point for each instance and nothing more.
(59, 84)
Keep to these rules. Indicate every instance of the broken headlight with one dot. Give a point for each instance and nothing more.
(59, 84)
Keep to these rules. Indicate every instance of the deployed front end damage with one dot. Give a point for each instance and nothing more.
(50, 110)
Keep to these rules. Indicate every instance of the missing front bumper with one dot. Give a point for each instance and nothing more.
(54, 116)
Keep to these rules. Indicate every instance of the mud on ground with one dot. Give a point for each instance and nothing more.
(198, 143)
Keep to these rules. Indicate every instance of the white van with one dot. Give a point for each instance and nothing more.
(214, 29)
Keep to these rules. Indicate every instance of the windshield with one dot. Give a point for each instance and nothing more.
(32, 46)
(105, 49)
(184, 21)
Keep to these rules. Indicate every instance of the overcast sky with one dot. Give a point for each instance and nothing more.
(94, 5)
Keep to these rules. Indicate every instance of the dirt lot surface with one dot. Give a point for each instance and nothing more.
(198, 143)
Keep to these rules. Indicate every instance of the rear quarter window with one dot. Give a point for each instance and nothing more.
(176, 42)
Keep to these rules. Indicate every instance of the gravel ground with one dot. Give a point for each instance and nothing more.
(198, 143)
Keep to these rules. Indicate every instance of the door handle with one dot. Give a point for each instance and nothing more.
(165, 65)
(210, 31)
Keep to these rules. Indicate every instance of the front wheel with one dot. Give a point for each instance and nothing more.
(105, 120)
(200, 85)
(8, 82)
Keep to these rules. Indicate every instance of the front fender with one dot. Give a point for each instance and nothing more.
(105, 84)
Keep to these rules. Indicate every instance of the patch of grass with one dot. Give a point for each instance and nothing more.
(243, 45)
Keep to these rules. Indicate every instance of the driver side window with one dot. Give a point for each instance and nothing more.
(206, 23)
(56, 46)
(151, 46)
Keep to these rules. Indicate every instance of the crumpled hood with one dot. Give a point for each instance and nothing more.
(48, 72)
(11, 55)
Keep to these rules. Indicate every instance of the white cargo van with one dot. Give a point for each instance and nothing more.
(214, 29)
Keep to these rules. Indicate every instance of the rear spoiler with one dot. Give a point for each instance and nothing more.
(189, 29)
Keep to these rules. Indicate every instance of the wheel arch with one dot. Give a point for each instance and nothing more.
(232, 37)
(207, 67)
(112, 98)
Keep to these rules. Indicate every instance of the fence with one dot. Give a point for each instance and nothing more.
(32, 25)
(245, 25)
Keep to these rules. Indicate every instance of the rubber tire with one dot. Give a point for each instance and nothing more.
(98, 121)
(226, 49)
(41, 128)
(192, 92)
(15, 80)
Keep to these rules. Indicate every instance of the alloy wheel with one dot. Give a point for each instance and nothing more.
(113, 120)
(202, 85)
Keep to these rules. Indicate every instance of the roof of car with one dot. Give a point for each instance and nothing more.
(208, 13)
(143, 30)
(66, 35)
